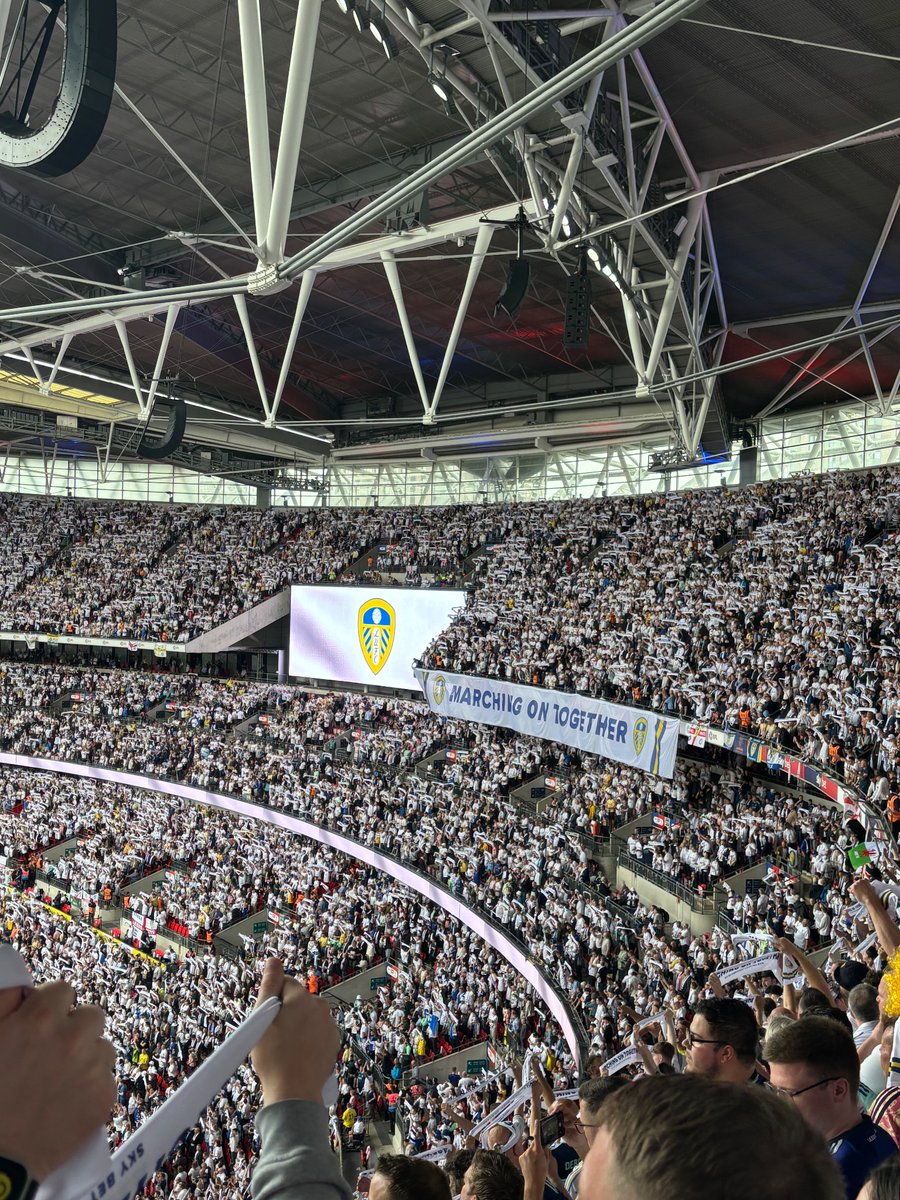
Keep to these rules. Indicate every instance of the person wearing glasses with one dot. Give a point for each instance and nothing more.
(723, 1041)
(592, 1095)
(815, 1064)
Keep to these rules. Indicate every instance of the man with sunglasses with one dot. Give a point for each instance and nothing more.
(815, 1064)
(723, 1041)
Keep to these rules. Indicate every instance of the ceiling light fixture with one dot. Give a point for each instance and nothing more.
(360, 19)
(346, 6)
(379, 30)
(440, 86)
(443, 91)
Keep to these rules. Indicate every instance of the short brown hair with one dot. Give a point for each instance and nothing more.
(594, 1092)
(693, 1137)
(455, 1166)
(493, 1177)
(413, 1179)
(820, 1043)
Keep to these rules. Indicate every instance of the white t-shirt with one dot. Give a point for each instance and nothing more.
(871, 1076)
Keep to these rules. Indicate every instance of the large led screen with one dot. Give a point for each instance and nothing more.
(366, 635)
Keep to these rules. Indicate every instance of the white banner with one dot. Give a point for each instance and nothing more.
(757, 939)
(633, 736)
(509, 1105)
(140, 923)
(66, 639)
(864, 945)
(654, 1019)
(753, 966)
(436, 1155)
(623, 1059)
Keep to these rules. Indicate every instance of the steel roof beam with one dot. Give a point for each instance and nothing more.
(293, 119)
(784, 395)
(253, 62)
(622, 43)
(741, 328)
(347, 188)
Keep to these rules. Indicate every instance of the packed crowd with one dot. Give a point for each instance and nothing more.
(702, 827)
(791, 637)
(456, 823)
(165, 1018)
(772, 609)
(172, 572)
(338, 918)
(164, 1024)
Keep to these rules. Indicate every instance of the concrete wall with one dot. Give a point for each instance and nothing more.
(738, 883)
(441, 1067)
(146, 884)
(625, 831)
(522, 794)
(357, 985)
(59, 851)
(233, 932)
(242, 627)
(677, 909)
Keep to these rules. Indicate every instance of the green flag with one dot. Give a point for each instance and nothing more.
(859, 856)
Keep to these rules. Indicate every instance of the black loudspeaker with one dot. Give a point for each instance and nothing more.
(747, 465)
(577, 328)
(172, 435)
(516, 287)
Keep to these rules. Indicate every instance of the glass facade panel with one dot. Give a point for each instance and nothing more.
(845, 436)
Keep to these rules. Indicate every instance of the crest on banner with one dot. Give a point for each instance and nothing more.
(640, 734)
(377, 624)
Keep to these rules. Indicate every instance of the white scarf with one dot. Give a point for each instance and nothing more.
(91, 1169)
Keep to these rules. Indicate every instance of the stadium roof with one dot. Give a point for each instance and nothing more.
(726, 173)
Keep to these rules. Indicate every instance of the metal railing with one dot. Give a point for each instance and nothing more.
(725, 923)
(680, 891)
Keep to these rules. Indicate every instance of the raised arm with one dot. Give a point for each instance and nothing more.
(543, 1083)
(811, 973)
(886, 929)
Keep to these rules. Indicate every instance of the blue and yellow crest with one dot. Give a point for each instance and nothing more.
(639, 734)
(377, 624)
(439, 689)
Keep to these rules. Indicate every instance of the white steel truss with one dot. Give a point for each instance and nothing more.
(583, 194)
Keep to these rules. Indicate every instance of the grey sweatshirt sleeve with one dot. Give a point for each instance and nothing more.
(295, 1162)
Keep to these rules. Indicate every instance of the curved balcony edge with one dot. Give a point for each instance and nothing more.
(515, 952)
